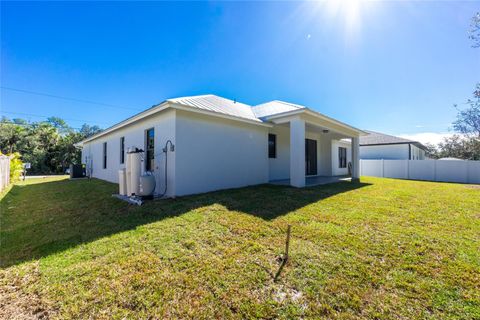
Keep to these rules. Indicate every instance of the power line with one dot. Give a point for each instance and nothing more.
(43, 116)
(68, 98)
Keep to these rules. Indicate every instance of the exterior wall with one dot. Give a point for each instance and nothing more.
(213, 154)
(417, 153)
(279, 167)
(336, 170)
(164, 124)
(387, 152)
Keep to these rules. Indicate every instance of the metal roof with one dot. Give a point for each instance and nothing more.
(218, 104)
(274, 107)
(377, 138)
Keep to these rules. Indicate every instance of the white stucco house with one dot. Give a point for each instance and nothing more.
(220, 143)
(378, 146)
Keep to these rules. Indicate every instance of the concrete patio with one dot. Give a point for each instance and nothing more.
(314, 181)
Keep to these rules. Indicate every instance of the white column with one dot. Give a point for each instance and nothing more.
(297, 153)
(355, 158)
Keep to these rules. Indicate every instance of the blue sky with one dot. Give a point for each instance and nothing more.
(396, 67)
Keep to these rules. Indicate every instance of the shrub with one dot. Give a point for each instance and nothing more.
(16, 167)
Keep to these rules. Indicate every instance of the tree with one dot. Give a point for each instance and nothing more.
(48, 145)
(88, 131)
(468, 120)
(475, 30)
(459, 146)
(59, 124)
(432, 151)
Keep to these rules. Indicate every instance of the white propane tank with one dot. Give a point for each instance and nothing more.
(122, 182)
(147, 185)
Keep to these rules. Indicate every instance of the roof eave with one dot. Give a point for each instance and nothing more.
(315, 114)
(150, 111)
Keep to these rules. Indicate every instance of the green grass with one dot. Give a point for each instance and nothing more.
(382, 248)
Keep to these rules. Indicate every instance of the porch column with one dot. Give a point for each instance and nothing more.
(297, 153)
(355, 159)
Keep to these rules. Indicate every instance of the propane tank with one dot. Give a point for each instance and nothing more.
(147, 184)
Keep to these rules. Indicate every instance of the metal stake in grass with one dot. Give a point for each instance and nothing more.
(285, 256)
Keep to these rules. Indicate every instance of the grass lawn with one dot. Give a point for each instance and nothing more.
(382, 248)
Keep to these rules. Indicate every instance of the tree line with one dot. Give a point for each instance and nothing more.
(49, 146)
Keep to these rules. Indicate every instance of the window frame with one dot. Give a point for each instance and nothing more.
(105, 151)
(272, 149)
(342, 157)
(122, 150)
(149, 166)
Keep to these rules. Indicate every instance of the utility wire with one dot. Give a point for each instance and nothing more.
(43, 116)
(68, 98)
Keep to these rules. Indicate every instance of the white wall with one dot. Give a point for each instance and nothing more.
(417, 153)
(164, 124)
(336, 170)
(279, 167)
(214, 153)
(391, 151)
(433, 170)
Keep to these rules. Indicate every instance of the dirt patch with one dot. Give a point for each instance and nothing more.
(18, 299)
(474, 186)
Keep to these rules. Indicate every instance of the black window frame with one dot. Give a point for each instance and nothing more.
(342, 157)
(105, 150)
(272, 146)
(149, 152)
(122, 150)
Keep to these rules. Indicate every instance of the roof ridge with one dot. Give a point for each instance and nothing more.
(190, 97)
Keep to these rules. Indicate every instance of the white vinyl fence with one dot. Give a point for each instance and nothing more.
(4, 172)
(462, 171)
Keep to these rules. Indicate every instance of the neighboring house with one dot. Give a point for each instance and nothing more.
(220, 144)
(377, 145)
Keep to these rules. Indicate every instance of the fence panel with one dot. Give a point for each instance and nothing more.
(422, 170)
(372, 168)
(473, 171)
(395, 169)
(431, 170)
(452, 171)
(4, 172)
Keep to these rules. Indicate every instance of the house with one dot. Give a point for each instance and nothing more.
(204, 143)
(377, 145)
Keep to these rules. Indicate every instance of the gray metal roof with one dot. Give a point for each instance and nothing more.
(218, 104)
(274, 107)
(377, 138)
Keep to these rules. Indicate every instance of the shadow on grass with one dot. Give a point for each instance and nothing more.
(44, 218)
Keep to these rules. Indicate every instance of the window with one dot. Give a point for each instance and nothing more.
(150, 149)
(122, 150)
(342, 157)
(104, 155)
(272, 146)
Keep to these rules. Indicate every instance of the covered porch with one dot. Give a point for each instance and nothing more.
(312, 149)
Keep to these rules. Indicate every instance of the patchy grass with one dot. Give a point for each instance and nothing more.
(381, 248)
